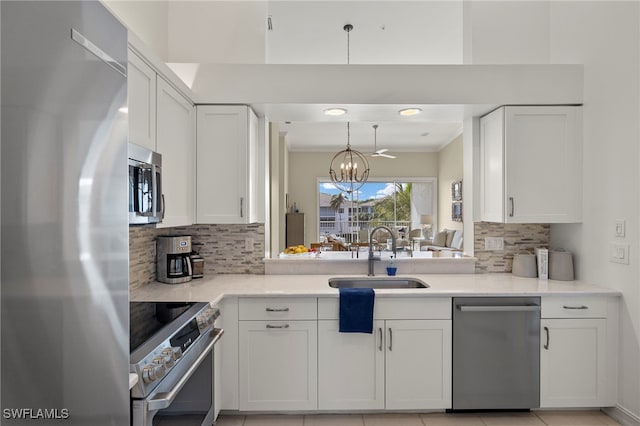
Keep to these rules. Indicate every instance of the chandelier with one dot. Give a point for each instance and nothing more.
(349, 177)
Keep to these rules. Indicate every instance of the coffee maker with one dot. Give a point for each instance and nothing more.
(173, 259)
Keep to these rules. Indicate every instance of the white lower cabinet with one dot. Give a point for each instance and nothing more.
(350, 368)
(418, 364)
(578, 352)
(278, 365)
(404, 365)
(572, 363)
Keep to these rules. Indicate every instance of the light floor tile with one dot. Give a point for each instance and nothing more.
(511, 419)
(576, 418)
(274, 420)
(392, 420)
(454, 419)
(333, 420)
(230, 421)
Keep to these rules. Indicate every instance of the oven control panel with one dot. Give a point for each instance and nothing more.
(156, 358)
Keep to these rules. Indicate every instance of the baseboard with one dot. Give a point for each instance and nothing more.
(622, 416)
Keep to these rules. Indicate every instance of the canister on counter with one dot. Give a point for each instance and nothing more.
(524, 265)
(560, 265)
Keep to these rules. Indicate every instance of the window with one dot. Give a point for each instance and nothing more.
(395, 203)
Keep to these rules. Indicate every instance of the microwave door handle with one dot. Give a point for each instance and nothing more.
(136, 190)
(163, 208)
(154, 195)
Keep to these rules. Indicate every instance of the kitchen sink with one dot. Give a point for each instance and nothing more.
(377, 282)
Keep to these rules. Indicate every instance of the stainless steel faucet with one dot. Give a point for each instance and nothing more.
(372, 258)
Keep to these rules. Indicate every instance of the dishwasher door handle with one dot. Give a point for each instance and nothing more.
(499, 308)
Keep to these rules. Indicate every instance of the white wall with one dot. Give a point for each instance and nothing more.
(449, 171)
(217, 31)
(305, 168)
(605, 37)
(147, 19)
(385, 32)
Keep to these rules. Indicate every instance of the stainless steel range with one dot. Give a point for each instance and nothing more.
(175, 365)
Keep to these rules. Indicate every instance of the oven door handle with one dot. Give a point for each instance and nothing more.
(164, 399)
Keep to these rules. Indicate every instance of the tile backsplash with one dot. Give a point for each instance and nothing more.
(223, 248)
(518, 237)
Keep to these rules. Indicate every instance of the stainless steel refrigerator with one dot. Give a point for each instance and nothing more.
(64, 277)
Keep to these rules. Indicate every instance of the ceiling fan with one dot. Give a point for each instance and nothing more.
(379, 152)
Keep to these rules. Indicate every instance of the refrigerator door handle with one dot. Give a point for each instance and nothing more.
(99, 53)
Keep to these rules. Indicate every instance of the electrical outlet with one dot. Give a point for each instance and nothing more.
(620, 228)
(619, 253)
(248, 244)
(494, 243)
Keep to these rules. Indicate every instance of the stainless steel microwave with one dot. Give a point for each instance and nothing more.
(146, 203)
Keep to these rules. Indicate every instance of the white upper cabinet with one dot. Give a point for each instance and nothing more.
(141, 92)
(531, 165)
(228, 178)
(176, 142)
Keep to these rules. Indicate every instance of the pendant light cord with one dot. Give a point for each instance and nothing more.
(348, 29)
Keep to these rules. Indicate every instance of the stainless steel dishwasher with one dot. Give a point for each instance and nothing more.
(496, 353)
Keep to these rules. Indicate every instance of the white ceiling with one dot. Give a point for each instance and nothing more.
(306, 128)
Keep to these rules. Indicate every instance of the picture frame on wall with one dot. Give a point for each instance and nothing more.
(456, 211)
(456, 191)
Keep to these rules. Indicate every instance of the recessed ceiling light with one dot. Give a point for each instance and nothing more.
(335, 111)
(409, 111)
(124, 110)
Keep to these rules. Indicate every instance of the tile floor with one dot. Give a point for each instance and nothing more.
(537, 418)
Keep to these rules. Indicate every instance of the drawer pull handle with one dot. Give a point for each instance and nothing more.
(380, 334)
(277, 310)
(546, 346)
(575, 307)
(390, 339)
(278, 326)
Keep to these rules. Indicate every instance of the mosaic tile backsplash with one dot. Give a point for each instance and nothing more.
(518, 237)
(221, 246)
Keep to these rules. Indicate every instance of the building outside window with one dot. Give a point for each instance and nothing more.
(395, 203)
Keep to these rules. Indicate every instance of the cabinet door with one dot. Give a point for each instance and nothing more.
(492, 167)
(418, 364)
(176, 143)
(572, 363)
(141, 93)
(278, 365)
(222, 164)
(350, 368)
(543, 162)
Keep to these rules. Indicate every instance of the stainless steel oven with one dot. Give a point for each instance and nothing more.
(146, 202)
(173, 356)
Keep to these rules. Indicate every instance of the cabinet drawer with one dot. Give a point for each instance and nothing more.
(278, 308)
(394, 308)
(574, 307)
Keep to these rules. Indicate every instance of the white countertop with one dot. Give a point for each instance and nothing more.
(214, 288)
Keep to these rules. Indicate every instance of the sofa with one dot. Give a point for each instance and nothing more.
(446, 240)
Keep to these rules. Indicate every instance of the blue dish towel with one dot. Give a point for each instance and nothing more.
(356, 310)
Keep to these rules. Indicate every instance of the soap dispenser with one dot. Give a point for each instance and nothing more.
(392, 268)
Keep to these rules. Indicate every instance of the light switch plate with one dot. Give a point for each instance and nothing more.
(619, 253)
(248, 244)
(493, 243)
(620, 228)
